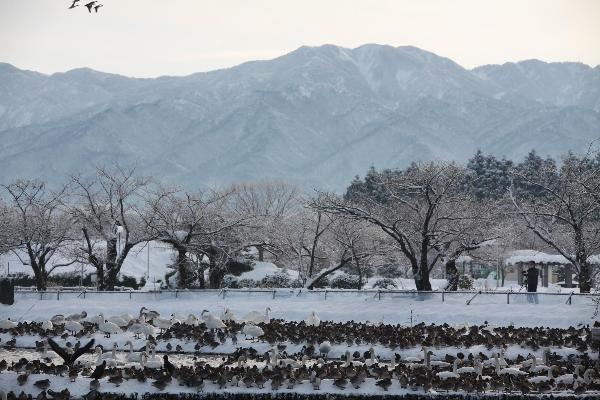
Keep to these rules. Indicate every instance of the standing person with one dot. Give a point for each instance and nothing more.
(532, 282)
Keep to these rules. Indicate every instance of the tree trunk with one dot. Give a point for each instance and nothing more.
(111, 265)
(584, 277)
(323, 274)
(182, 265)
(215, 274)
(451, 275)
(261, 253)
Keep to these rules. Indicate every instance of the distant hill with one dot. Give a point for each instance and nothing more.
(316, 116)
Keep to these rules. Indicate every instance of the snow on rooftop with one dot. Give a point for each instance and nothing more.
(539, 257)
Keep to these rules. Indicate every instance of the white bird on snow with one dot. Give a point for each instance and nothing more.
(313, 319)
(257, 317)
(252, 330)
(211, 321)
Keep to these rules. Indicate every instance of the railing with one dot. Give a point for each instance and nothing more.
(468, 296)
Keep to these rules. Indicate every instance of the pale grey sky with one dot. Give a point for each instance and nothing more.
(148, 38)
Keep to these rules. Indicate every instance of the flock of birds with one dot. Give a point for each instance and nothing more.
(311, 365)
(91, 5)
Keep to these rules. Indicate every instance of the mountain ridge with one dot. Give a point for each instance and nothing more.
(316, 116)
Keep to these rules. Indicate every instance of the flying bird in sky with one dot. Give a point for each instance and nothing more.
(74, 4)
(90, 5)
(97, 7)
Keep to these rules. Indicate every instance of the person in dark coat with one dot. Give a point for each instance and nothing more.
(532, 282)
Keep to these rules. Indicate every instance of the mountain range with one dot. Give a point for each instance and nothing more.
(316, 117)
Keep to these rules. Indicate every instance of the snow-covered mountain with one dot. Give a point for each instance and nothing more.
(316, 116)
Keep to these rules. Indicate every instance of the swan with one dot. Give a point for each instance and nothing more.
(543, 378)
(349, 361)
(369, 362)
(138, 327)
(228, 315)
(110, 362)
(108, 327)
(192, 320)
(479, 368)
(7, 324)
(426, 360)
(58, 319)
(313, 319)
(131, 355)
(149, 314)
(467, 370)
(73, 326)
(211, 321)
(77, 317)
(569, 378)
(112, 354)
(152, 361)
(120, 322)
(252, 330)
(127, 317)
(257, 317)
(325, 348)
(507, 370)
(48, 354)
(535, 367)
(450, 374)
(47, 325)
(162, 323)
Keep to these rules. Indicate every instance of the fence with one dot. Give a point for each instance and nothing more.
(466, 297)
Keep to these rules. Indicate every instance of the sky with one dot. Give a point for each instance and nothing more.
(148, 38)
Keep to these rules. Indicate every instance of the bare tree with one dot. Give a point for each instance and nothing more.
(39, 228)
(109, 211)
(567, 217)
(198, 223)
(417, 208)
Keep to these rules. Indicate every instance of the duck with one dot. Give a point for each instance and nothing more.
(252, 330)
(48, 354)
(313, 319)
(211, 321)
(257, 317)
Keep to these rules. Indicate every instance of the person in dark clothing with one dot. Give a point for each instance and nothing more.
(532, 282)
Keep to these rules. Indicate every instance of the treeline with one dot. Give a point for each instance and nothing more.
(421, 218)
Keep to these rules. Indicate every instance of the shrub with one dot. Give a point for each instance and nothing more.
(465, 282)
(277, 280)
(389, 271)
(247, 283)
(344, 281)
(237, 268)
(385, 283)
(230, 282)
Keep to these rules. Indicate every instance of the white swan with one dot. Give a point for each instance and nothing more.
(257, 318)
(325, 348)
(192, 320)
(7, 324)
(349, 361)
(313, 319)
(131, 355)
(110, 362)
(211, 321)
(507, 370)
(119, 321)
(108, 327)
(58, 319)
(77, 317)
(569, 378)
(252, 330)
(153, 361)
(450, 374)
(149, 314)
(73, 326)
(543, 378)
(466, 370)
(47, 325)
(371, 360)
(110, 354)
(162, 323)
(48, 354)
(228, 315)
(535, 367)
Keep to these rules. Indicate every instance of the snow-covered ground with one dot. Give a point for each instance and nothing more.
(335, 306)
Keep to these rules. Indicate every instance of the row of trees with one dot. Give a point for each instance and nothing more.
(425, 216)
